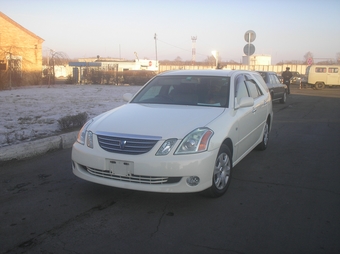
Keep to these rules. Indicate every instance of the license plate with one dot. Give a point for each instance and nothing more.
(122, 168)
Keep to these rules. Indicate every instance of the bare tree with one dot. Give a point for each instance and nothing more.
(308, 55)
(210, 60)
(178, 60)
(54, 58)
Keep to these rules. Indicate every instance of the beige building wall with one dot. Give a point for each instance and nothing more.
(16, 42)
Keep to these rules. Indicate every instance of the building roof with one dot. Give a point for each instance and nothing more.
(20, 27)
(84, 64)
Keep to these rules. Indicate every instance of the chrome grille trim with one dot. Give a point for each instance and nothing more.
(133, 178)
(126, 144)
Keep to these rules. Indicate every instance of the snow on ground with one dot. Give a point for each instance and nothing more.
(30, 113)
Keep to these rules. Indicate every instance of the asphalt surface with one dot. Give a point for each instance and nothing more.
(285, 199)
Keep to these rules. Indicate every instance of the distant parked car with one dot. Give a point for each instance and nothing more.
(278, 91)
(296, 79)
(182, 132)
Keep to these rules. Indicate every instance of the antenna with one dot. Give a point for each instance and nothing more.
(193, 39)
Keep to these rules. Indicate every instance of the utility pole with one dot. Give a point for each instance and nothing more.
(48, 68)
(155, 37)
(53, 73)
(10, 70)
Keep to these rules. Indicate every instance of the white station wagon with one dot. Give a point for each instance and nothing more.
(182, 132)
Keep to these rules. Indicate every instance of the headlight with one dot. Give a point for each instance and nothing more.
(82, 133)
(89, 139)
(195, 142)
(166, 147)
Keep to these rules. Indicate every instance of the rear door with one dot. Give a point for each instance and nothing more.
(260, 108)
(333, 76)
(251, 119)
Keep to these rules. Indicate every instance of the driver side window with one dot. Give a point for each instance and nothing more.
(240, 88)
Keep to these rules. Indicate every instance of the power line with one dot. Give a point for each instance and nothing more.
(187, 50)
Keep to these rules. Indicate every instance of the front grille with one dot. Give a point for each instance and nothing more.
(126, 144)
(133, 178)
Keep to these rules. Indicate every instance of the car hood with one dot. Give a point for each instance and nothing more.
(165, 121)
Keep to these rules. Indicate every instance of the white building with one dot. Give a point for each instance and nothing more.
(257, 60)
(124, 65)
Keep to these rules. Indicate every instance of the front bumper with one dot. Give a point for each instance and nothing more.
(145, 172)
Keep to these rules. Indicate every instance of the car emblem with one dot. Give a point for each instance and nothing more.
(122, 144)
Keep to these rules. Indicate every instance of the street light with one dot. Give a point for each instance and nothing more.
(215, 54)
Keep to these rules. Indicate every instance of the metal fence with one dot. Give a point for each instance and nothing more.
(276, 68)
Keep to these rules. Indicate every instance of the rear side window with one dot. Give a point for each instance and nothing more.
(333, 70)
(274, 79)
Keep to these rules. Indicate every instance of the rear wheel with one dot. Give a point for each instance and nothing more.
(320, 85)
(284, 98)
(265, 138)
(221, 173)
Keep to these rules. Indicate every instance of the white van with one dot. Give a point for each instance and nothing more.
(319, 76)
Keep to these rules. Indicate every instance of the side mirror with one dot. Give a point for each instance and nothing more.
(245, 102)
(127, 97)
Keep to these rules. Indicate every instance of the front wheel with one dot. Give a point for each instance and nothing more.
(221, 173)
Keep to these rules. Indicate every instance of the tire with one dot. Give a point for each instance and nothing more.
(319, 85)
(221, 173)
(284, 98)
(265, 138)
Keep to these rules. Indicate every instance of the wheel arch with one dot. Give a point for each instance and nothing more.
(229, 144)
(269, 120)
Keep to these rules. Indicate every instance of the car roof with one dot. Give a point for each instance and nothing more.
(213, 72)
(273, 72)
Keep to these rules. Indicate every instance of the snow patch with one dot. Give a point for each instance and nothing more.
(31, 113)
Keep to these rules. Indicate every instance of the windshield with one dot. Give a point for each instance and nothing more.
(186, 90)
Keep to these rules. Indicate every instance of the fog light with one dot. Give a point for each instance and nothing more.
(193, 180)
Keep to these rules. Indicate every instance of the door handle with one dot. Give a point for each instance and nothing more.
(254, 110)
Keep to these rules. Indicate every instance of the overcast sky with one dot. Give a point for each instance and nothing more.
(286, 30)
